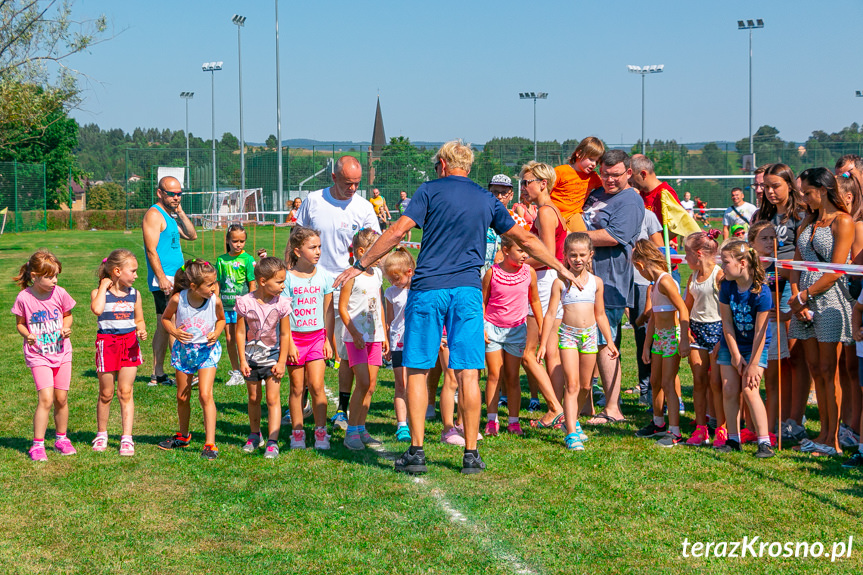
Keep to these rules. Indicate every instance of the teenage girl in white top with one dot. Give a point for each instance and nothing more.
(669, 342)
(702, 300)
(583, 312)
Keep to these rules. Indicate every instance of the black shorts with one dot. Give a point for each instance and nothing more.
(396, 356)
(259, 372)
(161, 301)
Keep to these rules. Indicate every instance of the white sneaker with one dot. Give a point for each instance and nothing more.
(298, 439)
(322, 440)
(235, 379)
(286, 419)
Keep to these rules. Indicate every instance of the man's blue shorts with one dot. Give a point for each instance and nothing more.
(614, 315)
(458, 309)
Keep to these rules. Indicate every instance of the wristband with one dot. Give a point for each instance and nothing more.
(800, 300)
(359, 266)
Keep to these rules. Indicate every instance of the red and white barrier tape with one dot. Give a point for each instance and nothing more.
(821, 267)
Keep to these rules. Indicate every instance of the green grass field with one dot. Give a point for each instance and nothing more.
(622, 506)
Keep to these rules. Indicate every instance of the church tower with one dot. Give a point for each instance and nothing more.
(379, 140)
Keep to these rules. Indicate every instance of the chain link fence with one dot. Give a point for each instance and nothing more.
(22, 193)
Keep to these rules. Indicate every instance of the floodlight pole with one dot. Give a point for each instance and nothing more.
(187, 96)
(211, 67)
(533, 96)
(279, 121)
(644, 71)
(240, 21)
(750, 25)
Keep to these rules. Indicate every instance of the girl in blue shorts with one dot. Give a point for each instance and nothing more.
(705, 324)
(195, 319)
(744, 304)
(583, 313)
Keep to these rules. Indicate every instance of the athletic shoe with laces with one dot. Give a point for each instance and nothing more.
(502, 401)
(100, 443)
(847, 437)
(580, 433)
(670, 440)
(322, 440)
(127, 448)
(308, 411)
(272, 450)
(854, 462)
(430, 412)
(298, 439)
(652, 430)
(492, 428)
(37, 453)
(747, 436)
(720, 437)
(794, 430)
(727, 447)
(533, 405)
(682, 408)
(764, 451)
(354, 442)
(253, 442)
(452, 437)
(368, 439)
(471, 463)
(209, 452)
(573, 442)
(64, 447)
(408, 463)
(700, 437)
(235, 379)
(163, 379)
(175, 442)
(515, 429)
(340, 420)
(403, 433)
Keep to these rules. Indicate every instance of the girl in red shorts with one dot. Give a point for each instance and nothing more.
(310, 290)
(120, 320)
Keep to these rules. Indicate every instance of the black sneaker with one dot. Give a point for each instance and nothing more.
(854, 462)
(670, 440)
(652, 430)
(731, 445)
(764, 451)
(415, 463)
(209, 452)
(471, 463)
(175, 442)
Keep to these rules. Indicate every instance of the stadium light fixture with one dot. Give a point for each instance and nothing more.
(212, 68)
(187, 96)
(533, 96)
(280, 190)
(240, 21)
(750, 25)
(644, 71)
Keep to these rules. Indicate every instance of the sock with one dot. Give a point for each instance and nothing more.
(473, 452)
(361, 429)
(271, 442)
(401, 424)
(658, 421)
(105, 434)
(59, 436)
(763, 439)
(324, 428)
(413, 450)
(674, 429)
(353, 429)
(734, 437)
(123, 437)
(492, 417)
(344, 400)
(39, 442)
(513, 420)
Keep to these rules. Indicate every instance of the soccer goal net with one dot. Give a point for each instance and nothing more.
(220, 209)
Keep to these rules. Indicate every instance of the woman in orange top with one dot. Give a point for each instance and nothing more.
(576, 180)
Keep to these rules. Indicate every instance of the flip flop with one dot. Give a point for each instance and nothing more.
(825, 451)
(607, 419)
(538, 424)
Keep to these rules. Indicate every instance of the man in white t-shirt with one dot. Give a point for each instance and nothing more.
(740, 212)
(338, 213)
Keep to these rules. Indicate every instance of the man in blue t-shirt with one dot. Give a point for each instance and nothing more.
(454, 214)
(613, 215)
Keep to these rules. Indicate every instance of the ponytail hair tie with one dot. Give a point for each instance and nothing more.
(104, 260)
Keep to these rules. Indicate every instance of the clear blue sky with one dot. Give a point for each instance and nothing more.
(451, 69)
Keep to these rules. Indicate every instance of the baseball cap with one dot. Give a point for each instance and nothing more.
(500, 180)
(736, 228)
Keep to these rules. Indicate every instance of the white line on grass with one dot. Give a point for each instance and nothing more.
(456, 516)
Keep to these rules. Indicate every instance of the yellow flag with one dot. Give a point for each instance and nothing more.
(676, 218)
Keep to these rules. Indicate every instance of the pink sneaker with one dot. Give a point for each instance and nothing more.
(64, 447)
(747, 436)
(127, 448)
(100, 443)
(720, 437)
(452, 437)
(514, 428)
(37, 453)
(492, 428)
(699, 437)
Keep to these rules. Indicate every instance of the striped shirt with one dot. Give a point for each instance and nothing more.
(118, 317)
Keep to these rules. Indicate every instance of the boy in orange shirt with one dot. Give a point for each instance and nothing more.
(575, 181)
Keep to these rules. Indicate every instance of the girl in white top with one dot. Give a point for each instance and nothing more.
(399, 268)
(583, 312)
(702, 300)
(362, 311)
(669, 342)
